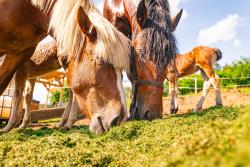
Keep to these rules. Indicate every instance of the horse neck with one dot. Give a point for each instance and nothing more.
(47, 16)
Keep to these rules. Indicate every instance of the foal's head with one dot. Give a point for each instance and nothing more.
(95, 72)
(154, 47)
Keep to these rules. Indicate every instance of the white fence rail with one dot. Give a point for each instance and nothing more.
(196, 88)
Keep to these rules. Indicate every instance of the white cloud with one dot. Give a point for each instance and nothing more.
(224, 30)
(237, 43)
(175, 8)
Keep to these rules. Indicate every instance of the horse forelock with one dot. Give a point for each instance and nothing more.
(44, 5)
(156, 38)
(111, 45)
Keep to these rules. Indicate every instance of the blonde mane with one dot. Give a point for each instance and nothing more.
(44, 5)
(111, 44)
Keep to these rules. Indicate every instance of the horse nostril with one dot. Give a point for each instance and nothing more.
(99, 119)
(114, 122)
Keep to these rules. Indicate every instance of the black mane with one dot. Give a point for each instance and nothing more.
(156, 36)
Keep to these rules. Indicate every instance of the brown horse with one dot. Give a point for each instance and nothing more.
(149, 24)
(46, 59)
(98, 52)
(200, 58)
(23, 25)
(94, 71)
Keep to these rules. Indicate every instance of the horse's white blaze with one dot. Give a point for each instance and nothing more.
(121, 91)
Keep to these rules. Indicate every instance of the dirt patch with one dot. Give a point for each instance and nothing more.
(188, 102)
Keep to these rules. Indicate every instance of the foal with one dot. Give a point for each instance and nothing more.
(200, 58)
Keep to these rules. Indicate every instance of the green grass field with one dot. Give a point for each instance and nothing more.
(216, 137)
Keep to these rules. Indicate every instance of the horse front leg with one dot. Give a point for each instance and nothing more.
(66, 112)
(73, 114)
(173, 92)
(20, 77)
(28, 100)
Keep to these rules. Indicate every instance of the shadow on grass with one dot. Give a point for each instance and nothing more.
(45, 131)
(212, 111)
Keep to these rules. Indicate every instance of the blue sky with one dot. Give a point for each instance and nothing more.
(234, 16)
(225, 24)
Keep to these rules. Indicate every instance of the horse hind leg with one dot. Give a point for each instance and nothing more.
(206, 88)
(216, 84)
(30, 84)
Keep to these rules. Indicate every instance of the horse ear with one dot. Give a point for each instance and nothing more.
(176, 19)
(141, 14)
(86, 25)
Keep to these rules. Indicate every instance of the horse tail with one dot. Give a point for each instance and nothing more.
(218, 54)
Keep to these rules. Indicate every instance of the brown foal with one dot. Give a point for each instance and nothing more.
(200, 58)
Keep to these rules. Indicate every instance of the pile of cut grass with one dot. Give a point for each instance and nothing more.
(216, 137)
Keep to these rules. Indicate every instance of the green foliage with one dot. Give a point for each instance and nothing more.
(55, 96)
(186, 85)
(65, 97)
(238, 69)
(216, 137)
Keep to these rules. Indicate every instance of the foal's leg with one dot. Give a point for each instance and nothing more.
(20, 77)
(216, 84)
(215, 81)
(66, 112)
(206, 87)
(28, 100)
(73, 114)
(173, 92)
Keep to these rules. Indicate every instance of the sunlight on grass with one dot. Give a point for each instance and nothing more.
(217, 137)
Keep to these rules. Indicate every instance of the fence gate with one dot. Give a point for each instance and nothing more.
(6, 102)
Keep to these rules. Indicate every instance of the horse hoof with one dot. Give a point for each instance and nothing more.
(66, 127)
(197, 110)
(172, 111)
(22, 127)
(4, 130)
(219, 105)
(59, 125)
(7, 128)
